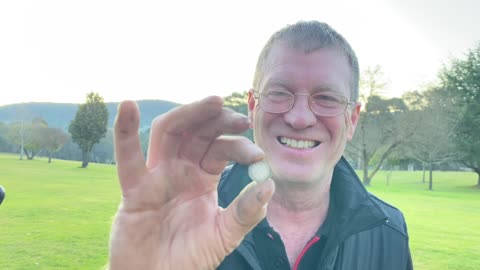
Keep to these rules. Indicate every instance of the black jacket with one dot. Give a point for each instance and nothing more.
(364, 232)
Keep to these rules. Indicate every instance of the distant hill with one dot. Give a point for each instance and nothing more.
(60, 114)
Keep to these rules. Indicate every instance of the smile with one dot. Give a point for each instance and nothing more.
(301, 144)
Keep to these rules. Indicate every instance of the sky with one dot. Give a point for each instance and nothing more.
(182, 51)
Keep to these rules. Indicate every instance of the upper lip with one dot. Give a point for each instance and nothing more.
(299, 138)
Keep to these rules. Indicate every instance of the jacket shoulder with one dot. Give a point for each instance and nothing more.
(396, 220)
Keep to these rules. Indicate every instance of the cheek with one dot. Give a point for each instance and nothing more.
(337, 128)
(264, 126)
(257, 125)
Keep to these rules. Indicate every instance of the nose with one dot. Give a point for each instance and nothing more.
(300, 116)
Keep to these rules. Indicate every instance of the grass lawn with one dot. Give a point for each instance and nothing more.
(55, 216)
(58, 216)
(444, 224)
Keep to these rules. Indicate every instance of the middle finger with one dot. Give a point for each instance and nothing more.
(199, 141)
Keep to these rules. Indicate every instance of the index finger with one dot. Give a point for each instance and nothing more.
(128, 151)
(167, 130)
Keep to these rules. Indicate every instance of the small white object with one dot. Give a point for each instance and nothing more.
(259, 171)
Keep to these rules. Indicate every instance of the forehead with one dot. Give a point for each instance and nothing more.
(325, 68)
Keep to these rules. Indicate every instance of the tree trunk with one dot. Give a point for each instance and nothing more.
(478, 179)
(424, 169)
(21, 151)
(389, 174)
(382, 159)
(85, 158)
(21, 142)
(29, 157)
(430, 180)
(366, 180)
(85, 161)
(49, 157)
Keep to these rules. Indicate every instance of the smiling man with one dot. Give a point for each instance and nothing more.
(313, 212)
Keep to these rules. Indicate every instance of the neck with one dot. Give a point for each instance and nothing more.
(299, 205)
(302, 196)
(297, 214)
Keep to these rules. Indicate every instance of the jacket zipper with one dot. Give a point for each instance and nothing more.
(373, 225)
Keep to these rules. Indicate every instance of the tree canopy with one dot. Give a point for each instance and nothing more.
(460, 84)
(89, 125)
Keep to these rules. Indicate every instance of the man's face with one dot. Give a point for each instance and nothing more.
(280, 134)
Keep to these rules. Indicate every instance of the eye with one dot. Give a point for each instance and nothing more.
(278, 95)
(328, 99)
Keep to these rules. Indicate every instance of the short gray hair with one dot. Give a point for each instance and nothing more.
(310, 36)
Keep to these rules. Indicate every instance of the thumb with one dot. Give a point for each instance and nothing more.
(245, 212)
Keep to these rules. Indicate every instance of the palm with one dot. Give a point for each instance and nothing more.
(169, 218)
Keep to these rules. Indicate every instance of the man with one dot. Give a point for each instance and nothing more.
(313, 213)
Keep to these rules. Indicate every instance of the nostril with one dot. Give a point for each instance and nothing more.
(300, 122)
(300, 116)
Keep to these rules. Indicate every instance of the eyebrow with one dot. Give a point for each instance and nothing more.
(327, 88)
(277, 82)
(286, 84)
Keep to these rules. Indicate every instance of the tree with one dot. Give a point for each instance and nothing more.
(69, 151)
(5, 144)
(16, 135)
(27, 136)
(238, 102)
(34, 137)
(431, 142)
(460, 83)
(89, 125)
(372, 82)
(381, 128)
(20, 130)
(103, 151)
(52, 140)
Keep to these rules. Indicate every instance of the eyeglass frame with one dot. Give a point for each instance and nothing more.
(257, 95)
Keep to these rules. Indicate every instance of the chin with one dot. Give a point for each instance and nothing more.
(294, 182)
(301, 173)
(289, 174)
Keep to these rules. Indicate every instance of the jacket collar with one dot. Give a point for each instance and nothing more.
(351, 208)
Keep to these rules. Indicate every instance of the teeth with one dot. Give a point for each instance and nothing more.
(297, 143)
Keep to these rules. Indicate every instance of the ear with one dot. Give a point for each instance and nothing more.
(354, 117)
(251, 106)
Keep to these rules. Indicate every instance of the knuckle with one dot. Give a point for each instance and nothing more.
(157, 121)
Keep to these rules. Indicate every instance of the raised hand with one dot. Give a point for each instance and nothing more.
(169, 218)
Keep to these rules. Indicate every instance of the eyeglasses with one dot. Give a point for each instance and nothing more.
(322, 104)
